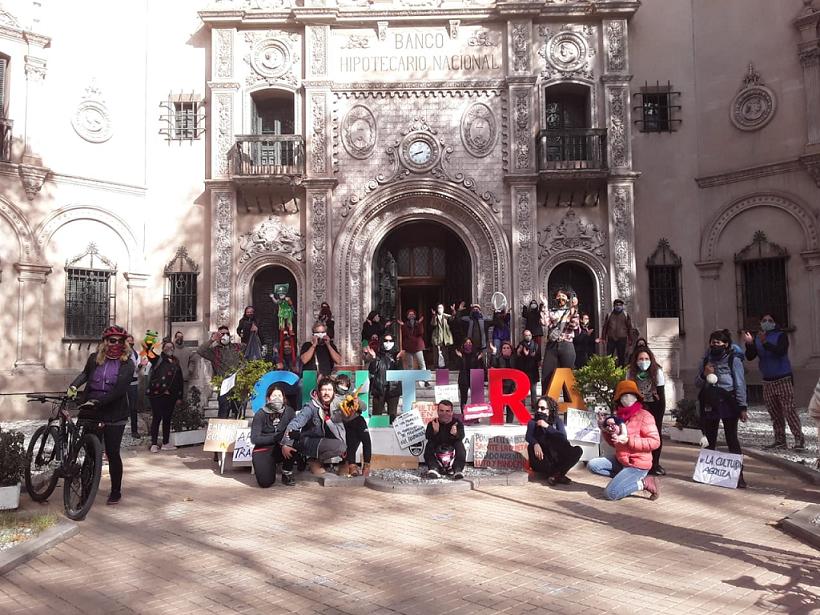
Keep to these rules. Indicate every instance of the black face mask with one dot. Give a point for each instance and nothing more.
(717, 352)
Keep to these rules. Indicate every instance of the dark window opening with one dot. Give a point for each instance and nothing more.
(90, 295)
(665, 285)
(657, 111)
(762, 283)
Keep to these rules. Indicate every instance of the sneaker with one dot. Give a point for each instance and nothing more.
(458, 476)
(800, 446)
(563, 479)
(287, 479)
(773, 446)
(653, 486)
(154, 448)
(432, 474)
(168, 447)
(657, 471)
(114, 498)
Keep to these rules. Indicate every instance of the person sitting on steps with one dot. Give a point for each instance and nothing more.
(445, 440)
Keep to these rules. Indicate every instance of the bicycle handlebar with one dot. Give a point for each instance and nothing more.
(45, 398)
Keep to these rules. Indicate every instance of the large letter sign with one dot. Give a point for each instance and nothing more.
(408, 379)
(261, 387)
(498, 400)
(563, 384)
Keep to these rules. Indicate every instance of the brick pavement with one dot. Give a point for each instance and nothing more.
(237, 548)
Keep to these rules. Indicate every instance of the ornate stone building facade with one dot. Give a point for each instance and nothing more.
(387, 154)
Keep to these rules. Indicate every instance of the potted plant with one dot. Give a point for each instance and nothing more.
(246, 378)
(687, 422)
(188, 421)
(596, 382)
(12, 466)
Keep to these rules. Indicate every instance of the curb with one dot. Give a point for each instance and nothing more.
(332, 480)
(801, 525)
(513, 479)
(379, 484)
(30, 549)
(802, 471)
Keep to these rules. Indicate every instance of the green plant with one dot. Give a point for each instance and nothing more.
(189, 416)
(596, 381)
(12, 458)
(686, 415)
(246, 378)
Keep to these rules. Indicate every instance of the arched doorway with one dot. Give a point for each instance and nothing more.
(266, 312)
(419, 265)
(576, 279)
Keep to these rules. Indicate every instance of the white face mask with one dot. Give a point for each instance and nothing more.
(320, 334)
(388, 345)
(644, 365)
(225, 339)
(627, 399)
(440, 310)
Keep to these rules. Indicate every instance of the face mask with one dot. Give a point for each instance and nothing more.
(767, 326)
(178, 341)
(717, 352)
(388, 345)
(439, 310)
(644, 365)
(225, 339)
(618, 309)
(628, 399)
(168, 353)
(468, 348)
(114, 351)
(506, 352)
(527, 338)
(533, 306)
(476, 315)
(412, 318)
(276, 405)
(342, 391)
(321, 335)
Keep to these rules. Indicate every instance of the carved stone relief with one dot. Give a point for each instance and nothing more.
(521, 129)
(92, 119)
(482, 38)
(569, 52)
(318, 51)
(479, 129)
(318, 251)
(272, 58)
(524, 264)
(574, 232)
(359, 132)
(223, 247)
(754, 105)
(317, 148)
(623, 245)
(521, 47)
(615, 47)
(616, 97)
(224, 54)
(272, 235)
(224, 131)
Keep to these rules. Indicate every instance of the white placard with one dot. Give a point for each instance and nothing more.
(719, 469)
(409, 428)
(446, 391)
(242, 447)
(227, 384)
(582, 426)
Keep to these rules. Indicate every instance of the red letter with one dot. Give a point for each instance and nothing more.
(498, 400)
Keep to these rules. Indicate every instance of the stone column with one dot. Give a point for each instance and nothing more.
(663, 336)
(523, 197)
(30, 313)
(319, 194)
(812, 261)
(31, 170)
(621, 199)
(523, 118)
(137, 282)
(710, 274)
(809, 52)
(223, 86)
(223, 238)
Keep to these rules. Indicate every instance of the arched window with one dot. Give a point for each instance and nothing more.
(665, 286)
(90, 295)
(180, 289)
(762, 285)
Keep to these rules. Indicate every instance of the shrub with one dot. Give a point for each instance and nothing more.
(246, 378)
(12, 458)
(189, 416)
(686, 415)
(596, 381)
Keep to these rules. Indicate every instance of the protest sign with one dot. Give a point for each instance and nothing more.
(427, 410)
(227, 384)
(242, 447)
(476, 411)
(502, 451)
(221, 435)
(719, 469)
(446, 391)
(409, 428)
(582, 426)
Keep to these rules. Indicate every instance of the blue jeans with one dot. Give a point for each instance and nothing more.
(624, 481)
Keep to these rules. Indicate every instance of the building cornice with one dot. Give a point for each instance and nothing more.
(749, 173)
(9, 169)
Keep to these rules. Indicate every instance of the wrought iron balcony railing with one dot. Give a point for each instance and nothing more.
(268, 156)
(574, 149)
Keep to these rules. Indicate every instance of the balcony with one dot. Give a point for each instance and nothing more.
(572, 153)
(255, 158)
(5, 140)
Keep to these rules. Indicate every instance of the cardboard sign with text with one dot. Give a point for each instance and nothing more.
(582, 426)
(427, 410)
(409, 428)
(446, 391)
(719, 469)
(221, 435)
(508, 452)
(242, 447)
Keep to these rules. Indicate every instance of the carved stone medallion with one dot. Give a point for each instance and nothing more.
(754, 105)
(92, 119)
(270, 58)
(272, 235)
(569, 52)
(479, 129)
(358, 132)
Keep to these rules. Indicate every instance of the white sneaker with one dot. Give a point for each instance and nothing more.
(169, 447)
(154, 448)
(432, 474)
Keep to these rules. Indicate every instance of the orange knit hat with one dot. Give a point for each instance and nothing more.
(627, 386)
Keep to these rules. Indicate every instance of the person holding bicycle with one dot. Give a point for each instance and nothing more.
(107, 376)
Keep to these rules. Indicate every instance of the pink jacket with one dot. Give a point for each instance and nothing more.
(643, 439)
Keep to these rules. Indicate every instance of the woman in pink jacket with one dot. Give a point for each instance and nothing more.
(633, 448)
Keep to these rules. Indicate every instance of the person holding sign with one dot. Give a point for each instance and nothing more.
(356, 432)
(550, 453)
(445, 437)
(648, 375)
(722, 384)
(267, 431)
(320, 427)
(630, 467)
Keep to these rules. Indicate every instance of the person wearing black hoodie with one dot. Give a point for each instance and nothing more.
(550, 453)
(382, 391)
(469, 358)
(247, 324)
(267, 429)
(165, 393)
(445, 433)
(505, 359)
(532, 321)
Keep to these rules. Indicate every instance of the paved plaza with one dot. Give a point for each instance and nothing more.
(187, 540)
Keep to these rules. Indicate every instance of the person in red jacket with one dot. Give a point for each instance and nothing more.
(412, 342)
(630, 466)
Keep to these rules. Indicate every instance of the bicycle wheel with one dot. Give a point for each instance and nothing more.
(42, 462)
(83, 478)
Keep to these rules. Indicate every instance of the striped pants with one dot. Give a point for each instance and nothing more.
(778, 395)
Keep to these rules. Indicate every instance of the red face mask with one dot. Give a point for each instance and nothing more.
(114, 351)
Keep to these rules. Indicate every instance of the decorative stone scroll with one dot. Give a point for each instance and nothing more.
(754, 105)
(318, 50)
(616, 97)
(615, 46)
(223, 248)
(572, 233)
(272, 235)
(521, 47)
(479, 129)
(317, 147)
(623, 245)
(318, 251)
(524, 263)
(92, 119)
(224, 131)
(521, 129)
(224, 54)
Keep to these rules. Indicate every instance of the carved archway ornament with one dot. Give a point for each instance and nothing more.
(709, 241)
(595, 265)
(29, 251)
(432, 200)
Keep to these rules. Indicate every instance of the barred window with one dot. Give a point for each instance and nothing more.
(181, 289)
(184, 117)
(657, 111)
(90, 295)
(665, 286)
(762, 284)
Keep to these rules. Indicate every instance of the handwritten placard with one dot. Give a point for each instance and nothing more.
(719, 469)
(582, 426)
(446, 391)
(427, 410)
(221, 435)
(409, 428)
(476, 411)
(502, 451)
(242, 447)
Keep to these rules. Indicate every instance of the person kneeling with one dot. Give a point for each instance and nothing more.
(320, 427)
(445, 454)
(267, 431)
(550, 453)
(633, 442)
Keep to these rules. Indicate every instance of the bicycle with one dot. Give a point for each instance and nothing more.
(63, 448)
